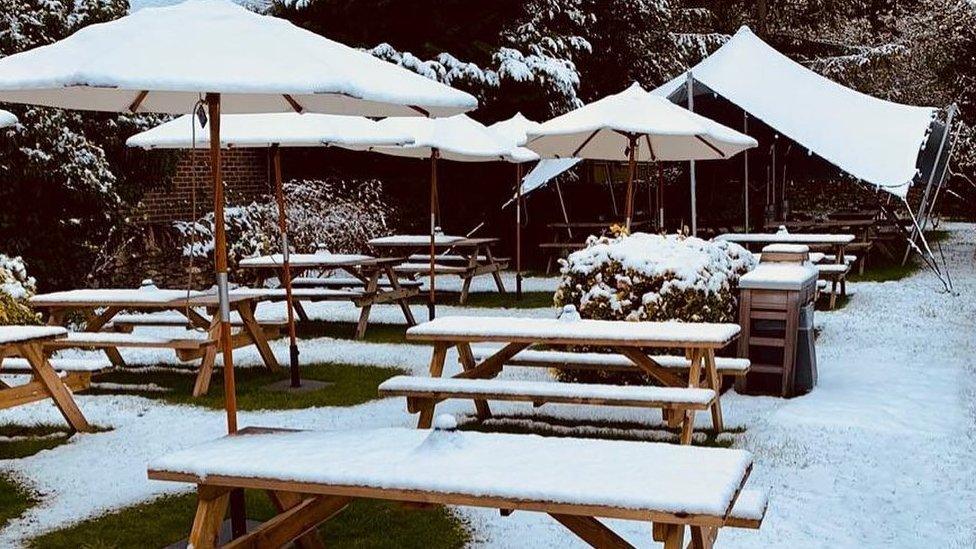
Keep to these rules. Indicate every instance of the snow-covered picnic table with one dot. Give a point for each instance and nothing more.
(699, 341)
(369, 281)
(460, 256)
(838, 242)
(28, 342)
(575, 481)
(200, 309)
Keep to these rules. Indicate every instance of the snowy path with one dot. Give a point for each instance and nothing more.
(880, 455)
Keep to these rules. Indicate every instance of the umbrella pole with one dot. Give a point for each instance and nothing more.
(630, 181)
(660, 197)
(237, 512)
(431, 298)
(296, 378)
(518, 232)
(745, 177)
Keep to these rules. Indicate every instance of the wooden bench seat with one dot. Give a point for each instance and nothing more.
(68, 365)
(562, 245)
(101, 340)
(568, 360)
(303, 294)
(347, 282)
(422, 268)
(832, 258)
(451, 258)
(125, 322)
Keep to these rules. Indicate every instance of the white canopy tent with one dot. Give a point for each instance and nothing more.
(7, 118)
(874, 140)
(214, 53)
(635, 126)
(272, 131)
(459, 138)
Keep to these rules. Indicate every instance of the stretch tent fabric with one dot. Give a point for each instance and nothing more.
(874, 140)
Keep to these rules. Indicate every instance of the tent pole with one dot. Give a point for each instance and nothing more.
(518, 232)
(296, 378)
(237, 512)
(562, 206)
(431, 303)
(745, 177)
(613, 197)
(690, 84)
(632, 167)
(928, 187)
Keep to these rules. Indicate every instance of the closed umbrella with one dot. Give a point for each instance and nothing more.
(273, 131)
(635, 126)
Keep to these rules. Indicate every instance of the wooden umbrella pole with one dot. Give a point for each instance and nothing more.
(237, 511)
(630, 180)
(431, 298)
(296, 378)
(518, 232)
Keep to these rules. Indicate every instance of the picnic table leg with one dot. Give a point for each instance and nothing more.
(592, 531)
(468, 364)
(211, 508)
(404, 304)
(296, 522)
(284, 501)
(54, 386)
(465, 288)
(703, 537)
(256, 333)
(674, 536)
(694, 379)
(300, 311)
(436, 369)
(204, 376)
(714, 382)
(495, 273)
(95, 323)
(372, 284)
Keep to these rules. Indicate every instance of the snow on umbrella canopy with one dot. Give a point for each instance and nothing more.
(7, 118)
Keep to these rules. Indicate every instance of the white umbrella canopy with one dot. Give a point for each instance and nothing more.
(162, 59)
(7, 118)
(458, 138)
(514, 129)
(266, 130)
(604, 129)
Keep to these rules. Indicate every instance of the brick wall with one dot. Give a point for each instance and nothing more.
(245, 174)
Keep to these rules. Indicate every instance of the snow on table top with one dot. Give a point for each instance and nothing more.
(59, 364)
(778, 276)
(788, 238)
(642, 476)
(415, 240)
(296, 293)
(786, 248)
(639, 334)
(107, 297)
(306, 260)
(133, 339)
(19, 334)
(551, 389)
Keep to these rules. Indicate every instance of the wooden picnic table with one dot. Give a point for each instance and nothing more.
(312, 475)
(28, 342)
(475, 254)
(365, 272)
(100, 306)
(838, 242)
(630, 339)
(564, 241)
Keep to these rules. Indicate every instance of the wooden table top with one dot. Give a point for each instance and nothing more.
(416, 241)
(129, 298)
(13, 335)
(276, 261)
(788, 238)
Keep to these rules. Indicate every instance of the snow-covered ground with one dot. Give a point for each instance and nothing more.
(880, 454)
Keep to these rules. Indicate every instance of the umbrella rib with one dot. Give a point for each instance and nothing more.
(140, 97)
(650, 148)
(586, 142)
(295, 105)
(423, 112)
(713, 147)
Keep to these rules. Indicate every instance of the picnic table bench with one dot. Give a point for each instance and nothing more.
(476, 256)
(367, 281)
(27, 342)
(313, 475)
(628, 339)
(564, 241)
(101, 306)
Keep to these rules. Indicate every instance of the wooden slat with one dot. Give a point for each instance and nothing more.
(292, 523)
(539, 399)
(592, 531)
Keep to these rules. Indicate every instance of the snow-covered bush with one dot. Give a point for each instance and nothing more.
(648, 277)
(16, 286)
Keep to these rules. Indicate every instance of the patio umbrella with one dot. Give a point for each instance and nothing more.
(635, 126)
(7, 118)
(272, 131)
(458, 138)
(515, 131)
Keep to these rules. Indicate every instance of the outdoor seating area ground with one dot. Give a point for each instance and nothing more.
(896, 388)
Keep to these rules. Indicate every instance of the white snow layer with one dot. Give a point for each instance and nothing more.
(17, 334)
(7, 118)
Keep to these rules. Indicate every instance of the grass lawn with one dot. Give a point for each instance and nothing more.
(375, 333)
(349, 385)
(14, 500)
(18, 441)
(167, 520)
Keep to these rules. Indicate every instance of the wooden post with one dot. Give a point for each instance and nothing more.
(745, 176)
(296, 377)
(431, 298)
(632, 165)
(691, 165)
(518, 232)
(238, 525)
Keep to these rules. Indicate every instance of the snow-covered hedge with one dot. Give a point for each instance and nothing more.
(16, 286)
(654, 277)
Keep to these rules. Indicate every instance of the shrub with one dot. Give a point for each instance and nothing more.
(649, 277)
(16, 287)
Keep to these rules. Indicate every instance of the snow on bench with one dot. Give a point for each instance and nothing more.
(569, 360)
(409, 240)
(11, 335)
(554, 331)
(348, 282)
(323, 260)
(749, 509)
(832, 268)
(116, 339)
(547, 391)
(832, 258)
(301, 294)
(786, 248)
(779, 276)
(70, 365)
(787, 238)
(114, 297)
(676, 484)
(451, 258)
(176, 319)
(420, 268)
